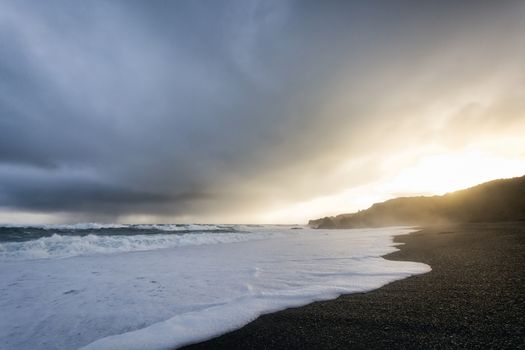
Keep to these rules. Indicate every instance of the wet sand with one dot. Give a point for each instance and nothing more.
(474, 297)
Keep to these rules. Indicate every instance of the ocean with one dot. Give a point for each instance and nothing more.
(100, 286)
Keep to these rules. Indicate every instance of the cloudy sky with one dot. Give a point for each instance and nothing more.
(252, 111)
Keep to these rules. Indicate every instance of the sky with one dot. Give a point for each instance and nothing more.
(251, 111)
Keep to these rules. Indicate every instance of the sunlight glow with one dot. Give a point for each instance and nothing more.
(429, 174)
(442, 173)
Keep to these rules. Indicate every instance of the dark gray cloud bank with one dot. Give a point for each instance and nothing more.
(186, 109)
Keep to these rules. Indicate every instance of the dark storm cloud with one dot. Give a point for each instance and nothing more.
(170, 108)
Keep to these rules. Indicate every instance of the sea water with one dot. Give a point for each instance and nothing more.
(95, 286)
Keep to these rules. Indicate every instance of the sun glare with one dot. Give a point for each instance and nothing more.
(442, 173)
(430, 174)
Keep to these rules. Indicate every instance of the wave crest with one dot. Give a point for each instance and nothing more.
(62, 246)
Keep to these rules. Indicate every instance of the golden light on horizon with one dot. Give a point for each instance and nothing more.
(301, 113)
(442, 173)
(431, 174)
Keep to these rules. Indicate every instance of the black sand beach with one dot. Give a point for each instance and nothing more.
(473, 298)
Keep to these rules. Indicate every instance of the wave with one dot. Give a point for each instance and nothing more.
(180, 227)
(62, 246)
(24, 233)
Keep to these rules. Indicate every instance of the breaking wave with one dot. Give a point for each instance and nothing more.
(61, 246)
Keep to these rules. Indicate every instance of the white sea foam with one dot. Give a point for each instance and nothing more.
(165, 298)
(189, 227)
(63, 246)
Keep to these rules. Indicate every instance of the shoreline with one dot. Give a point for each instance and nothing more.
(472, 298)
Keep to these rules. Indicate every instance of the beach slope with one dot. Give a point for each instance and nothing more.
(473, 298)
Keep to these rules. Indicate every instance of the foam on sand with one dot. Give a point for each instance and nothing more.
(165, 298)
